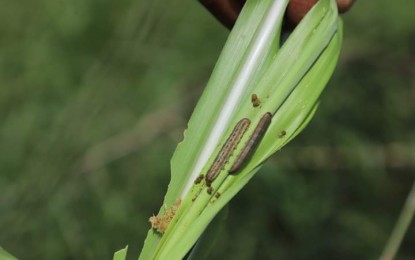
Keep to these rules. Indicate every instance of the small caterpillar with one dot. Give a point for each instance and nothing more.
(227, 150)
(252, 143)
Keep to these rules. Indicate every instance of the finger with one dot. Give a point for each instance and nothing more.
(226, 11)
(297, 9)
(344, 5)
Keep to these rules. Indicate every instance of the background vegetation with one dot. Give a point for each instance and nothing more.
(95, 96)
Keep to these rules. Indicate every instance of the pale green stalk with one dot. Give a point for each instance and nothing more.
(242, 38)
(288, 82)
(400, 228)
(121, 254)
(258, 55)
(4, 255)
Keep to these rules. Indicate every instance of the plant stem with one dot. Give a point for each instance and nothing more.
(401, 227)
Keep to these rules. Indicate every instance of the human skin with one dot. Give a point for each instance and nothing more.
(227, 11)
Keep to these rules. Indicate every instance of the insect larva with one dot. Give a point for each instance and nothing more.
(227, 150)
(255, 100)
(252, 143)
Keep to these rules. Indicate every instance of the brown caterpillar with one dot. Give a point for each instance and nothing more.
(227, 150)
(252, 143)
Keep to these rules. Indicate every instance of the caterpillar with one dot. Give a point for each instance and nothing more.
(252, 143)
(227, 149)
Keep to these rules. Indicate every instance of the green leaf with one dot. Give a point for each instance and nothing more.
(288, 82)
(241, 39)
(4, 255)
(121, 254)
(208, 239)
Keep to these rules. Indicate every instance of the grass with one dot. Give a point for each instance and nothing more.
(76, 74)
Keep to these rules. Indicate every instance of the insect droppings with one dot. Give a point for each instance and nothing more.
(199, 179)
(161, 223)
(255, 100)
(282, 134)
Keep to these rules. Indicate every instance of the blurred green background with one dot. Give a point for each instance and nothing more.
(95, 96)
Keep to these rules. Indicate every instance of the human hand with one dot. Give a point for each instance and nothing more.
(227, 11)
